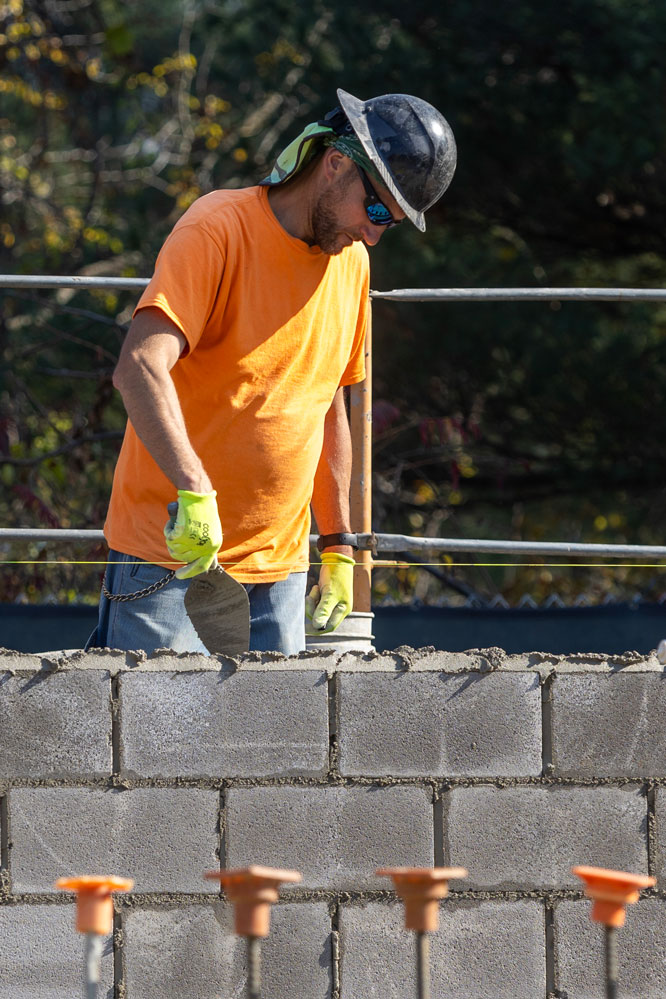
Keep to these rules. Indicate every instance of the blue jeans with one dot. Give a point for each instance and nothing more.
(160, 621)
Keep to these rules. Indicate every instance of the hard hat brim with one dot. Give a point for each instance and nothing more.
(357, 114)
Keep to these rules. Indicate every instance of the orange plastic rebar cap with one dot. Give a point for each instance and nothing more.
(611, 892)
(252, 890)
(421, 888)
(94, 905)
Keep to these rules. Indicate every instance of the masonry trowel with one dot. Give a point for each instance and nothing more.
(219, 609)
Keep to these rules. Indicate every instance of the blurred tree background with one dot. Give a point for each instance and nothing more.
(524, 421)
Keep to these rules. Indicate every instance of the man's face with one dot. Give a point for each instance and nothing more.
(339, 218)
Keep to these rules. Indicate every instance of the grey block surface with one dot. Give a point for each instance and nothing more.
(437, 724)
(530, 837)
(42, 955)
(55, 724)
(485, 950)
(641, 951)
(336, 836)
(221, 724)
(660, 815)
(609, 725)
(192, 953)
(163, 838)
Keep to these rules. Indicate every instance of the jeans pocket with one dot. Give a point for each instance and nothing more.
(125, 574)
(144, 571)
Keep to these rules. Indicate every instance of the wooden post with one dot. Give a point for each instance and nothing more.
(360, 399)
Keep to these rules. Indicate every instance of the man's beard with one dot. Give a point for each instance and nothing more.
(326, 232)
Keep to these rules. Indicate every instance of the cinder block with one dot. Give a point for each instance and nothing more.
(55, 725)
(482, 949)
(641, 948)
(232, 725)
(529, 837)
(163, 838)
(439, 724)
(42, 955)
(192, 953)
(609, 725)
(335, 836)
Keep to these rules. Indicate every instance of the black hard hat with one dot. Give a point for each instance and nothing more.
(411, 145)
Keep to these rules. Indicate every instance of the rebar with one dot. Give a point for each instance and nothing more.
(254, 967)
(611, 962)
(93, 961)
(252, 890)
(422, 965)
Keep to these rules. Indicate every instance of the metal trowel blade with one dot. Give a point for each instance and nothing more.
(219, 609)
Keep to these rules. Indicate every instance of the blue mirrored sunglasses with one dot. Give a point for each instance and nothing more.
(375, 209)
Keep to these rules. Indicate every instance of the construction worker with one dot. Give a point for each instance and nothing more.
(233, 371)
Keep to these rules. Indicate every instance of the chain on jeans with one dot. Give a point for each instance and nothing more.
(146, 592)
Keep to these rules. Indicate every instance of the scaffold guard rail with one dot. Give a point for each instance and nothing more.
(47, 282)
(371, 541)
(400, 543)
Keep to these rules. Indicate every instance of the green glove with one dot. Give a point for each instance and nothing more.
(329, 603)
(195, 535)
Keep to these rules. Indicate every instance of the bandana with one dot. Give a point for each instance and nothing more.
(325, 133)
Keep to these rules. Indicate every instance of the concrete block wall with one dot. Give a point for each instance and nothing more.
(163, 767)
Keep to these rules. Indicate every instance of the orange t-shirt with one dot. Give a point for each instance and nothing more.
(273, 328)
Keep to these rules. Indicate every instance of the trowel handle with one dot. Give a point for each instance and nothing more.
(172, 509)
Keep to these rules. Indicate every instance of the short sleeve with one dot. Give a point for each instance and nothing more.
(355, 369)
(186, 282)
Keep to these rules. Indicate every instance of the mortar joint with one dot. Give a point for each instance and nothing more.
(652, 838)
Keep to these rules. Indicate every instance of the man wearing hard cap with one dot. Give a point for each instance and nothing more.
(233, 372)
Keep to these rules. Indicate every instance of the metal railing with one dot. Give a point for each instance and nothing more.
(368, 541)
(376, 543)
(50, 282)
(522, 295)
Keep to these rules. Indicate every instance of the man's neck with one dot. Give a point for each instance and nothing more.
(291, 205)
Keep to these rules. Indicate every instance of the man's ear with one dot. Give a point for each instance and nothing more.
(334, 165)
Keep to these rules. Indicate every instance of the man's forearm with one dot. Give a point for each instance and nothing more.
(154, 411)
(330, 497)
(144, 380)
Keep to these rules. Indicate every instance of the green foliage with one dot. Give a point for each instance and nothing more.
(499, 420)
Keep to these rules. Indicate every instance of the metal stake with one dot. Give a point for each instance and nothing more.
(252, 890)
(94, 917)
(611, 892)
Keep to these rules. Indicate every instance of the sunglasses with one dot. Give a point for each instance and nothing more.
(375, 209)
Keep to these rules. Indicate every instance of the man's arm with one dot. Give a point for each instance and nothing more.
(330, 497)
(329, 602)
(152, 346)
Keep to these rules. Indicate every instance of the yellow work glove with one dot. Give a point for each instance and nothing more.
(328, 603)
(194, 535)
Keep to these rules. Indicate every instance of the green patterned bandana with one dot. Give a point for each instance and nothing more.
(299, 152)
